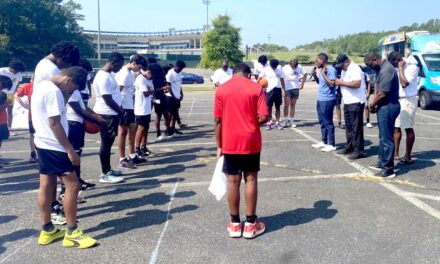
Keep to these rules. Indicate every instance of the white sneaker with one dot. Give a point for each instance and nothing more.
(328, 148)
(160, 138)
(286, 123)
(58, 219)
(109, 178)
(369, 125)
(319, 145)
(293, 125)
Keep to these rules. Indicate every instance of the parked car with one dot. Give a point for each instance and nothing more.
(189, 78)
(26, 77)
(372, 74)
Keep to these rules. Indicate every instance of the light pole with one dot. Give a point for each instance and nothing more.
(207, 2)
(99, 35)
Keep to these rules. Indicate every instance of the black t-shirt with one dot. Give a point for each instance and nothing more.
(388, 82)
(158, 80)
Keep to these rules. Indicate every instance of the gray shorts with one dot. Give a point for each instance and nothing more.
(293, 94)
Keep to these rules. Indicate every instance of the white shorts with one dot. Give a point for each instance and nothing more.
(408, 108)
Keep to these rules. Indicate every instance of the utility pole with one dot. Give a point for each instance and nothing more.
(99, 35)
(207, 2)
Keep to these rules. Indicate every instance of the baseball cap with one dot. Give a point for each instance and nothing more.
(340, 60)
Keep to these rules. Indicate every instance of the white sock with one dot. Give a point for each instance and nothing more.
(132, 156)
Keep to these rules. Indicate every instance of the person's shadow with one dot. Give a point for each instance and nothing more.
(299, 216)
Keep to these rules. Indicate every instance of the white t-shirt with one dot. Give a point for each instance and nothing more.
(293, 76)
(44, 70)
(411, 71)
(125, 78)
(142, 104)
(272, 77)
(176, 82)
(104, 83)
(15, 78)
(47, 102)
(71, 114)
(259, 68)
(221, 76)
(353, 95)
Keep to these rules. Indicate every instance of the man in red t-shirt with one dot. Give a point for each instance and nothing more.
(26, 90)
(239, 110)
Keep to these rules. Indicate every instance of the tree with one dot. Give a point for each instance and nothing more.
(221, 42)
(29, 28)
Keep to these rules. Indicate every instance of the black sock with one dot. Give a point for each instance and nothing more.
(48, 227)
(251, 218)
(33, 154)
(339, 123)
(368, 120)
(72, 228)
(235, 218)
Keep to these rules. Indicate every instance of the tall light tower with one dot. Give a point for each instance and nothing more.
(207, 2)
(99, 34)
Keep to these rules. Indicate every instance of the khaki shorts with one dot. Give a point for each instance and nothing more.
(408, 107)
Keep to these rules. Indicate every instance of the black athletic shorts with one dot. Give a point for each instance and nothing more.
(111, 129)
(338, 96)
(129, 118)
(76, 134)
(54, 163)
(173, 104)
(274, 97)
(236, 164)
(31, 128)
(144, 121)
(161, 107)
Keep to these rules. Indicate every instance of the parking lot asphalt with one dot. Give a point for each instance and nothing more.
(318, 207)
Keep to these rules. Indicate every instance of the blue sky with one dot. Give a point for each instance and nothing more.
(289, 23)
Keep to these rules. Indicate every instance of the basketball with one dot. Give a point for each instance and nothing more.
(91, 128)
(263, 83)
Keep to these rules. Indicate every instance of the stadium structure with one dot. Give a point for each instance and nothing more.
(160, 44)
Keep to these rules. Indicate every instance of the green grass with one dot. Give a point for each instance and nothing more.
(288, 55)
(198, 87)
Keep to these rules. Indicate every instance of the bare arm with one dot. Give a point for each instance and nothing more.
(327, 80)
(353, 84)
(218, 136)
(303, 81)
(112, 104)
(402, 78)
(85, 113)
(377, 98)
(18, 99)
(60, 135)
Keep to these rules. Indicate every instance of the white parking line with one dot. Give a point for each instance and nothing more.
(428, 116)
(155, 253)
(174, 144)
(365, 171)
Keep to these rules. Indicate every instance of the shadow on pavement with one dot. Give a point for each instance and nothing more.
(299, 216)
(155, 199)
(138, 219)
(15, 236)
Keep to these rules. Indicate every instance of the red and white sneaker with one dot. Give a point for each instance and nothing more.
(234, 229)
(253, 230)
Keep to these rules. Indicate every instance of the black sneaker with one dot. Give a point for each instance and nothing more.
(344, 151)
(356, 155)
(177, 132)
(375, 167)
(385, 174)
(84, 186)
(341, 126)
(138, 159)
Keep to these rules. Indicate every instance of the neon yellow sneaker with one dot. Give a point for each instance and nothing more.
(48, 237)
(78, 239)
